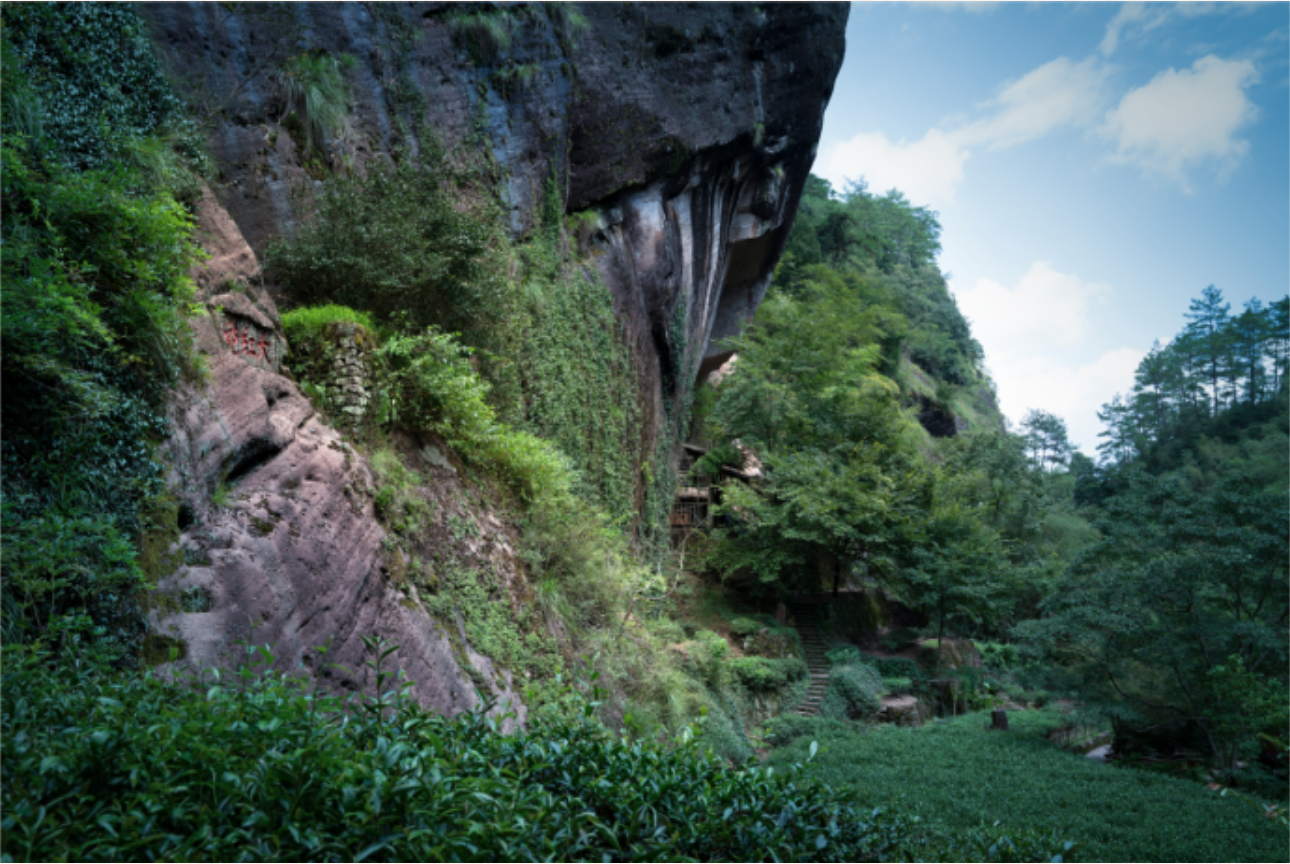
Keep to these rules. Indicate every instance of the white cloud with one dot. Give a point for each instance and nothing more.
(1073, 391)
(1185, 118)
(1059, 93)
(1045, 309)
(1029, 333)
(1135, 20)
(928, 170)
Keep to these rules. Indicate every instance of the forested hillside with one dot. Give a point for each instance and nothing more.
(472, 552)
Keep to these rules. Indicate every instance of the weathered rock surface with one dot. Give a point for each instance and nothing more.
(689, 130)
(902, 710)
(293, 559)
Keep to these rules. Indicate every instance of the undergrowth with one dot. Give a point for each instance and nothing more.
(956, 775)
(112, 767)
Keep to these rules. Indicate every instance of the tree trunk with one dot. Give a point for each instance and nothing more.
(999, 720)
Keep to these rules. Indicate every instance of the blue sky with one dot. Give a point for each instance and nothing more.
(1095, 166)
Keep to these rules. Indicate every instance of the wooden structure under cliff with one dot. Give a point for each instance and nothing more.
(699, 491)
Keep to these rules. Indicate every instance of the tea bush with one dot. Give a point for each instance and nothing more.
(958, 776)
(854, 693)
(110, 767)
(760, 674)
(307, 323)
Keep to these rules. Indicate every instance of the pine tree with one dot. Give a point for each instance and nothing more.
(1208, 315)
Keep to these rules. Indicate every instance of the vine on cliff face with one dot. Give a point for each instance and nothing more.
(95, 257)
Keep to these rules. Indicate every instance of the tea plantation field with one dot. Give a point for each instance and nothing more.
(956, 775)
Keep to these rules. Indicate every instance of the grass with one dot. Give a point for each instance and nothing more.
(957, 776)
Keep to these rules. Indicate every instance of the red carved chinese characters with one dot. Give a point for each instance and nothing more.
(247, 343)
(263, 349)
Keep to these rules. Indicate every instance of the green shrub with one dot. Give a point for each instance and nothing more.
(997, 654)
(742, 627)
(391, 241)
(777, 642)
(787, 728)
(97, 83)
(100, 767)
(307, 323)
(897, 686)
(314, 87)
(398, 503)
(762, 675)
(893, 667)
(843, 655)
(960, 778)
(93, 283)
(431, 386)
(854, 693)
(900, 638)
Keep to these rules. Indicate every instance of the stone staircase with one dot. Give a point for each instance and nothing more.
(813, 652)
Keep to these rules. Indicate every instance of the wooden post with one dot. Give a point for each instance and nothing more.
(999, 720)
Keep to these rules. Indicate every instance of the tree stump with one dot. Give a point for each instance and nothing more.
(999, 720)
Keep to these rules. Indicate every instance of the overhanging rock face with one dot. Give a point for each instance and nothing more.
(693, 132)
(686, 131)
(689, 129)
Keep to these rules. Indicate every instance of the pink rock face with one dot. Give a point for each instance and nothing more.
(293, 558)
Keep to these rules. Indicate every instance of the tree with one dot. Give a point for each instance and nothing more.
(1208, 317)
(840, 475)
(1120, 444)
(1180, 582)
(1277, 346)
(959, 566)
(1247, 334)
(1046, 439)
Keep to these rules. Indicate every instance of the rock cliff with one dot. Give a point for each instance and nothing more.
(681, 133)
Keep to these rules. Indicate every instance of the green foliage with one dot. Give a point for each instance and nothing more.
(307, 323)
(486, 33)
(1210, 380)
(582, 566)
(432, 386)
(741, 627)
(71, 582)
(94, 275)
(998, 655)
(900, 638)
(892, 245)
(761, 674)
(398, 503)
(392, 241)
(564, 372)
(95, 84)
(314, 88)
(854, 693)
(959, 777)
(717, 458)
(1179, 582)
(893, 667)
(104, 767)
(841, 476)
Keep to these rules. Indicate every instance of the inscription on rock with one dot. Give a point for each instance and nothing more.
(256, 345)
